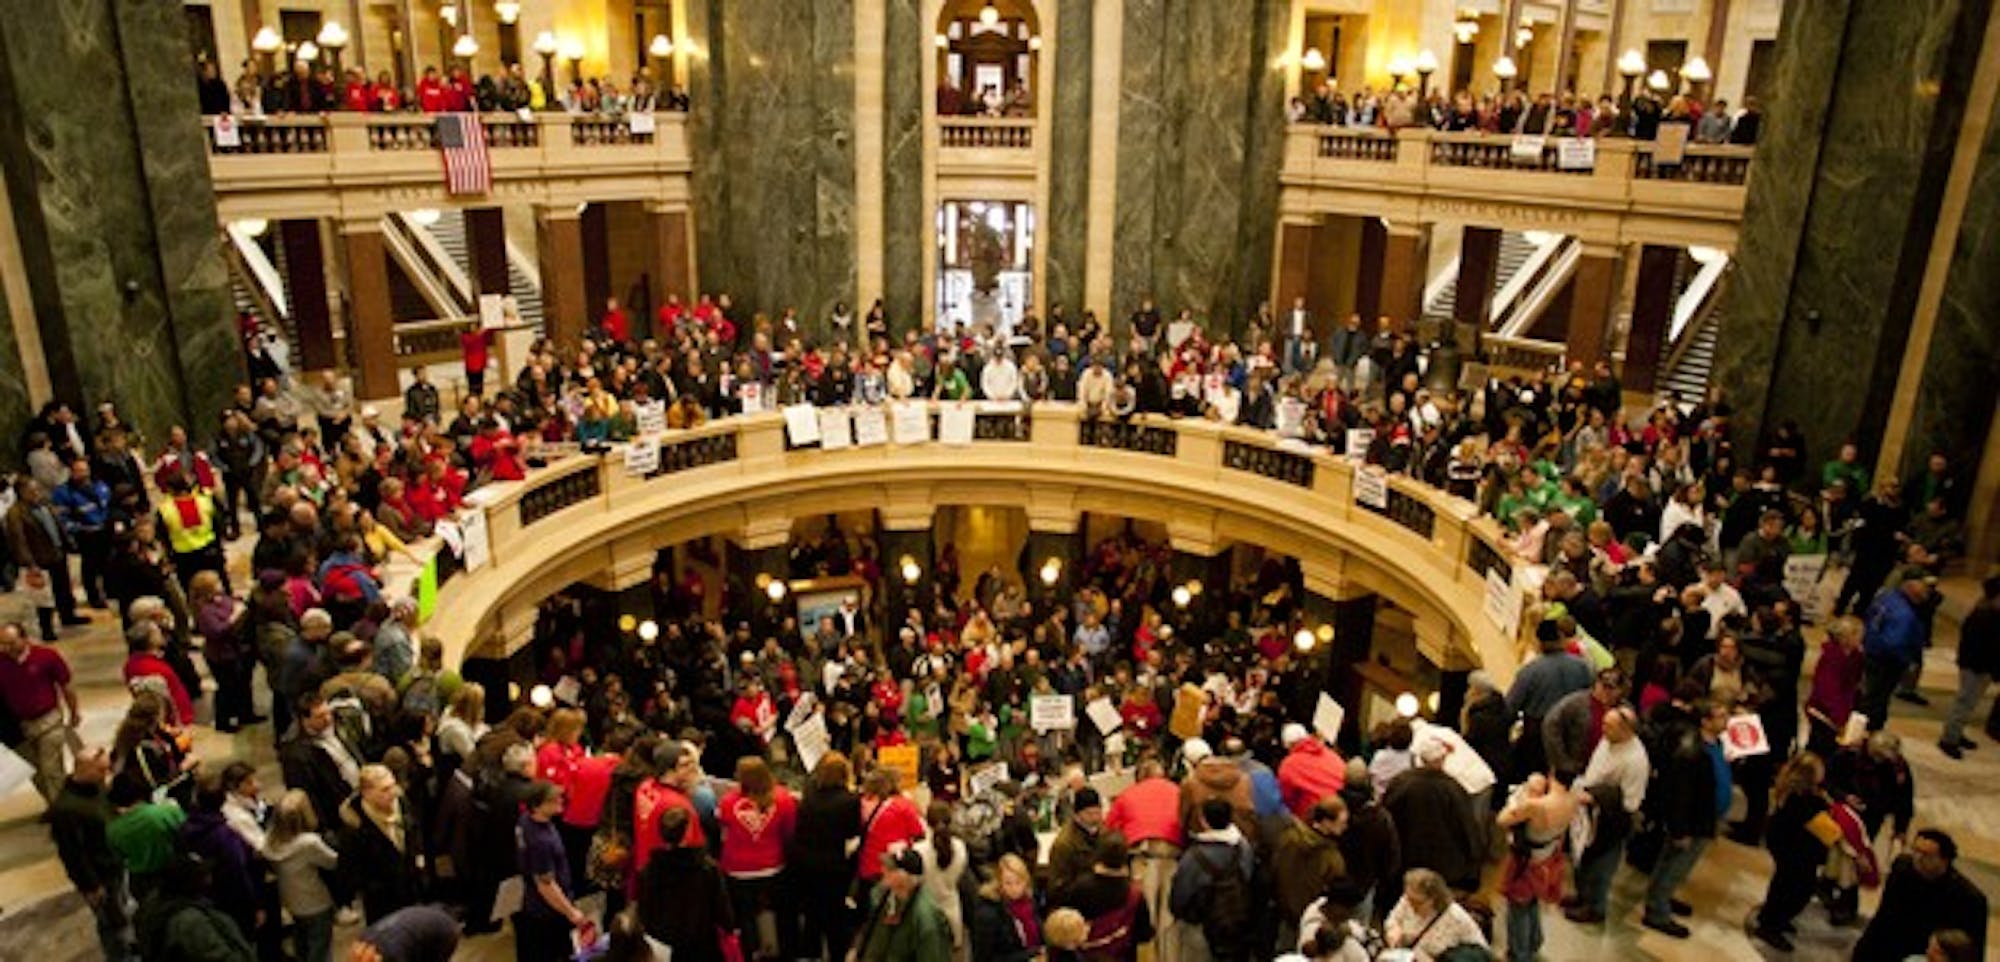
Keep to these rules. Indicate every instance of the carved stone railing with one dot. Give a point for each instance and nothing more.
(1699, 165)
(985, 133)
(365, 165)
(1358, 143)
(432, 339)
(588, 517)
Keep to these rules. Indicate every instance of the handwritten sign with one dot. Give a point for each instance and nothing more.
(227, 133)
(478, 549)
(812, 741)
(1527, 149)
(901, 759)
(1670, 145)
(1576, 153)
(955, 424)
(1105, 715)
(642, 458)
(751, 395)
(1358, 440)
(835, 430)
(1503, 603)
(801, 712)
(640, 123)
(1052, 712)
(651, 417)
(871, 427)
(1371, 488)
(1803, 574)
(913, 423)
(801, 424)
(984, 779)
(1328, 716)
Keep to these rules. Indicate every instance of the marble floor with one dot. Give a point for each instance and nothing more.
(41, 919)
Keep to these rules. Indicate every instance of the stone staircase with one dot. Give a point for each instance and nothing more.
(449, 232)
(1687, 378)
(1515, 248)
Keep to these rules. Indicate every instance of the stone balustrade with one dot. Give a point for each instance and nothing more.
(374, 163)
(1006, 133)
(586, 517)
(1618, 193)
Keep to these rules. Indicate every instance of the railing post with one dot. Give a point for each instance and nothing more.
(1413, 154)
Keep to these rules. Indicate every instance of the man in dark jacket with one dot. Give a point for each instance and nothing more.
(1437, 828)
(235, 875)
(77, 819)
(1687, 798)
(179, 921)
(1212, 884)
(1075, 848)
(1369, 848)
(316, 761)
(1925, 893)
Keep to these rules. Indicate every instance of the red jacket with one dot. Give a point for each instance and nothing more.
(653, 798)
(1309, 773)
(754, 839)
(556, 763)
(899, 823)
(589, 784)
(148, 666)
(616, 327)
(499, 453)
(1149, 811)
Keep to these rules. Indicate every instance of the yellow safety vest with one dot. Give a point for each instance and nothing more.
(185, 538)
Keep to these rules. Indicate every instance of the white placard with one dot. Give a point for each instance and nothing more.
(567, 690)
(227, 134)
(1744, 736)
(1527, 149)
(984, 779)
(642, 457)
(454, 538)
(913, 422)
(871, 427)
(650, 417)
(1114, 749)
(955, 424)
(492, 312)
(1371, 488)
(1802, 582)
(751, 395)
(1327, 717)
(1576, 153)
(802, 711)
(1503, 603)
(1105, 715)
(1111, 784)
(1856, 730)
(478, 550)
(812, 741)
(507, 899)
(802, 424)
(640, 123)
(1670, 145)
(1358, 442)
(835, 430)
(1052, 712)
(1291, 417)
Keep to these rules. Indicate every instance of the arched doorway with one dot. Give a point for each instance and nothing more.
(988, 54)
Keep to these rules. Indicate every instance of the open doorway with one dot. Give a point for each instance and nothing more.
(985, 249)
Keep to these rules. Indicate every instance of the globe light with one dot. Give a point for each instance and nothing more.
(541, 697)
(308, 51)
(1303, 641)
(1182, 596)
(662, 46)
(1431, 702)
(1504, 68)
(1194, 587)
(1657, 80)
(1326, 633)
(627, 623)
(466, 48)
(507, 10)
(776, 590)
(546, 44)
(1427, 62)
(572, 49)
(1406, 705)
(425, 216)
(649, 630)
(333, 36)
(989, 14)
(1631, 63)
(1051, 572)
(267, 41)
(1313, 60)
(1697, 71)
(253, 226)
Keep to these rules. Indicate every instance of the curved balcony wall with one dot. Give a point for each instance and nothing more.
(587, 518)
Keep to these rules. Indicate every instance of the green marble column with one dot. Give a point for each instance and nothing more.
(773, 124)
(1200, 134)
(108, 175)
(905, 225)
(1066, 225)
(1843, 197)
(15, 404)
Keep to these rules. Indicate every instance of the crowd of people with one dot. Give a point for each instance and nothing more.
(1639, 116)
(309, 87)
(664, 770)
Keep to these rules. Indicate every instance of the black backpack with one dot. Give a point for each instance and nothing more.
(1226, 911)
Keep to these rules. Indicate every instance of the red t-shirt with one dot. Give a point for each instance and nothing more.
(616, 327)
(589, 785)
(651, 800)
(28, 686)
(431, 96)
(900, 822)
(670, 318)
(499, 453)
(754, 839)
(757, 715)
(359, 97)
(556, 762)
(474, 344)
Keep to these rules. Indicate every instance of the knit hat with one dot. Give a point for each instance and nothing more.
(1194, 750)
(905, 860)
(1292, 734)
(1087, 798)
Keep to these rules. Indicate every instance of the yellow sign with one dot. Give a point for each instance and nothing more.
(901, 759)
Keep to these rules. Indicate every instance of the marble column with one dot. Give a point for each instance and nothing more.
(1652, 311)
(1200, 130)
(559, 239)
(672, 262)
(371, 325)
(1838, 226)
(1368, 268)
(486, 247)
(1295, 257)
(596, 232)
(906, 225)
(1066, 226)
(897, 593)
(1353, 623)
(1593, 289)
(1478, 268)
(305, 279)
(113, 210)
(1405, 254)
(773, 121)
(16, 406)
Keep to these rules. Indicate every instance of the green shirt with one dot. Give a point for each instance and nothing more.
(915, 932)
(1855, 475)
(144, 836)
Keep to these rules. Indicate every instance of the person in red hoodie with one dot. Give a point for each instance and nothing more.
(678, 767)
(889, 820)
(432, 96)
(754, 713)
(146, 667)
(758, 818)
(496, 452)
(1311, 771)
(671, 313)
(616, 326)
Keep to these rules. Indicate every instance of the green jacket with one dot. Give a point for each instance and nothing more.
(921, 934)
(144, 836)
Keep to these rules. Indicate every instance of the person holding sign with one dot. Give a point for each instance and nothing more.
(1802, 830)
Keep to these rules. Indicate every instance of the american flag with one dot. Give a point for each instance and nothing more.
(463, 140)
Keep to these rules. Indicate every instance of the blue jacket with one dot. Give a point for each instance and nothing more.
(1896, 632)
(84, 507)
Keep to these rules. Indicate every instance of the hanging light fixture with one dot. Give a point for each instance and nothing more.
(662, 46)
(466, 48)
(267, 41)
(1314, 61)
(1504, 68)
(507, 10)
